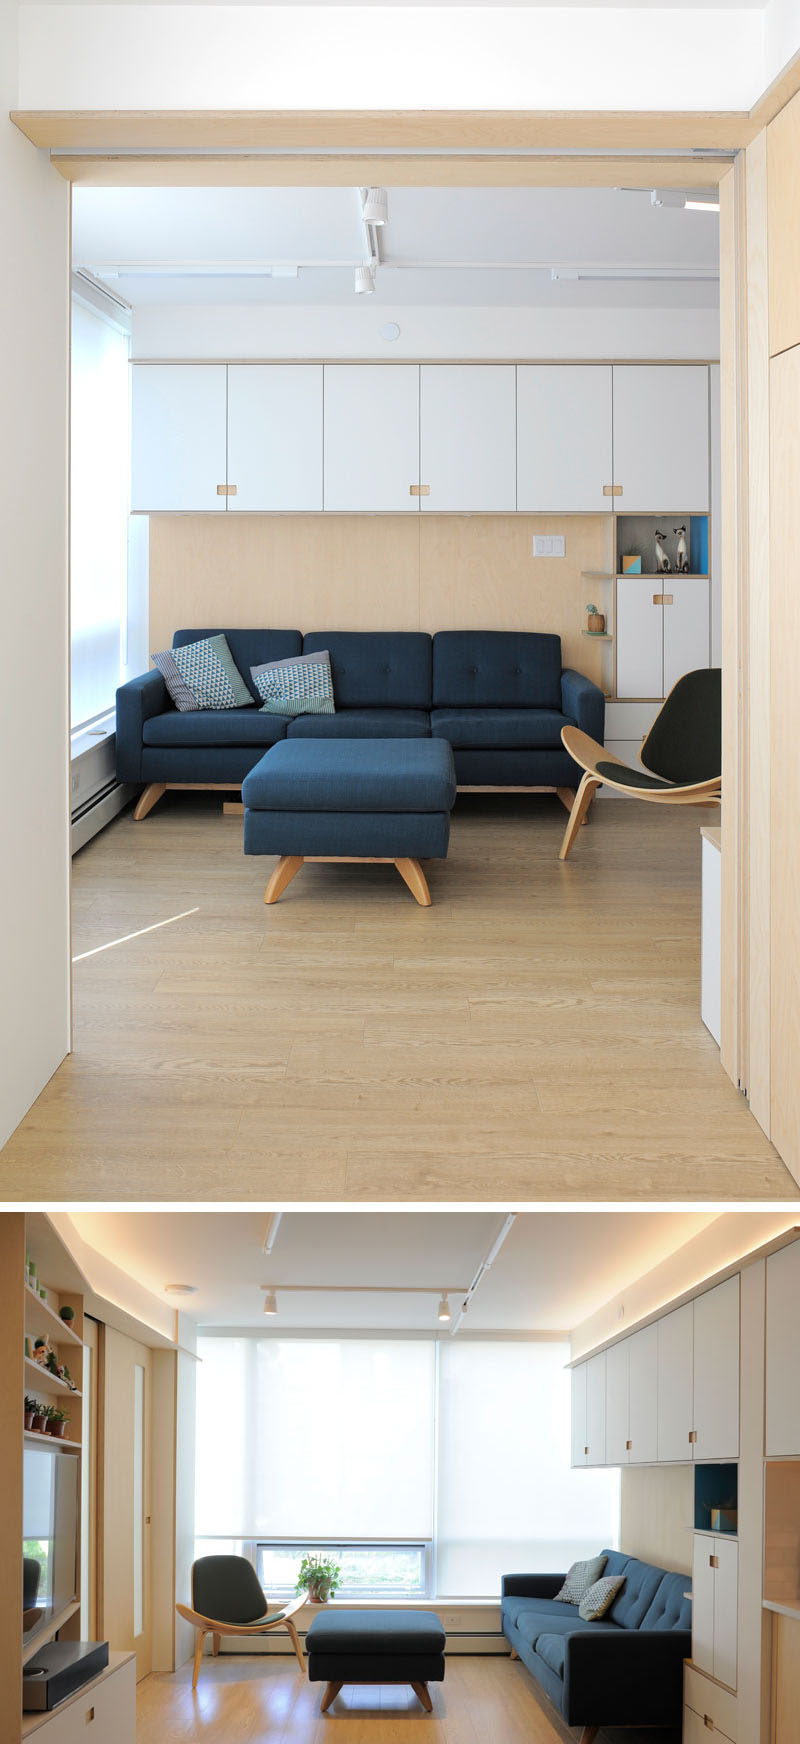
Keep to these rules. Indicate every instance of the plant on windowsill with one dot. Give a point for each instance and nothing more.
(319, 1577)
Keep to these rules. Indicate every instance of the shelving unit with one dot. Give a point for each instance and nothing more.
(47, 1382)
(782, 1536)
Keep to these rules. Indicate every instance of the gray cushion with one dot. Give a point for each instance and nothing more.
(580, 1577)
(599, 1598)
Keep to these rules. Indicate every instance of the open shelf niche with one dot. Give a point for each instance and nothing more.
(782, 1536)
(636, 536)
(716, 1498)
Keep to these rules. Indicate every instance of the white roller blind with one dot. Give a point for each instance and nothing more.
(99, 465)
(298, 1438)
(507, 1499)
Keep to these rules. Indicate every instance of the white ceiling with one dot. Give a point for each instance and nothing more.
(462, 247)
(553, 1271)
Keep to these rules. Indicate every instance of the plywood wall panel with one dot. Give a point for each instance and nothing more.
(657, 1515)
(783, 169)
(785, 1679)
(784, 707)
(369, 572)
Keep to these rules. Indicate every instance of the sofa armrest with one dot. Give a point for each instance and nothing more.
(583, 702)
(531, 1586)
(137, 701)
(625, 1677)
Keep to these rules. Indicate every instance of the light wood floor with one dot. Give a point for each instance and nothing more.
(535, 1034)
(246, 1700)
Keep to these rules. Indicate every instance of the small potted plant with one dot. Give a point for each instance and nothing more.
(319, 1577)
(58, 1421)
(31, 1408)
(66, 1314)
(32, 1275)
(41, 1413)
(596, 622)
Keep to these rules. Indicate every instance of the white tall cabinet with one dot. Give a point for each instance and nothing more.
(178, 442)
(274, 437)
(468, 458)
(675, 1384)
(715, 1589)
(564, 438)
(661, 437)
(372, 437)
(782, 1413)
(716, 1372)
(663, 630)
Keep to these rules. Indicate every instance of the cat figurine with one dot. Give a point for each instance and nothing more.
(682, 559)
(663, 565)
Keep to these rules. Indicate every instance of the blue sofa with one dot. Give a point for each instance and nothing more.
(626, 1670)
(499, 697)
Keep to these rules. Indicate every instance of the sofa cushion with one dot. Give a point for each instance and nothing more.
(599, 1597)
(362, 724)
(533, 1623)
(553, 1650)
(633, 1602)
(246, 726)
(542, 1611)
(670, 1609)
(496, 669)
(249, 647)
(202, 675)
(377, 668)
(485, 728)
(378, 775)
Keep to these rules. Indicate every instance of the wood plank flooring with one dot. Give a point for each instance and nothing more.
(534, 1035)
(241, 1700)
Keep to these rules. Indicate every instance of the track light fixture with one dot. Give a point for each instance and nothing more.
(375, 206)
(270, 1303)
(444, 1309)
(364, 281)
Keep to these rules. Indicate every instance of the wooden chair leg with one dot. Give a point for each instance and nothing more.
(422, 1694)
(589, 1734)
(583, 800)
(296, 1643)
(412, 874)
(514, 1653)
(216, 1641)
(287, 868)
(331, 1692)
(566, 796)
(151, 796)
(198, 1654)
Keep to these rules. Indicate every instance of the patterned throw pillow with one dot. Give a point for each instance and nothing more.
(203, 675)
(600, 1597)
(580, 1578)
(300, 686)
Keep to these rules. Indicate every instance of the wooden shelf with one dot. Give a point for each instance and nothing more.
(782, 1610)
(45, 1380)
(60, 1442)
(597, 575)
(48, 1318)
(598, 635)
(661, 575)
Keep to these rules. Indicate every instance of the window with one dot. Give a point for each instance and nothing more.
(368, 1571)
(99, 471)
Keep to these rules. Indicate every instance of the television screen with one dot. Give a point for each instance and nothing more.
(49, 1536)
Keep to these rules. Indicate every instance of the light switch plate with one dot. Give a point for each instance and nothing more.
(549, 545)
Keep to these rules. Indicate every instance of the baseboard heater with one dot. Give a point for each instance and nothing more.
(97, 795)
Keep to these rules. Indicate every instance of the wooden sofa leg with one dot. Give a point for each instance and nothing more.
(198, 1654)
(154, 791)
(287, 868)
(583, 800)
(514, 1653)
(589, 1734)
(331, 1692)
(422, 1694)
(412, 874)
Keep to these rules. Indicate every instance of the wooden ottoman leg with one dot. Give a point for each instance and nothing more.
(412, 873)
(331, 1692)
(287, 868)
(422, 1694)
(151, 796)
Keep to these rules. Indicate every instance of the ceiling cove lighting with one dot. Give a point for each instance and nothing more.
(444, 1309)
(364, 281)
(270, 1302)
(375, 206)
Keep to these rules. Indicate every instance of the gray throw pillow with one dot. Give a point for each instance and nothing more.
(580, 1578)
(302, 685)
(600, 1597)
(203, 675)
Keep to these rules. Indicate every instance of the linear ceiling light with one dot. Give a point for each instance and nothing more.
(271, 1231)
(375, 206)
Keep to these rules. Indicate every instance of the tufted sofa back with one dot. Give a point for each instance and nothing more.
(652, 1598)
(496, 669)
(377, 668)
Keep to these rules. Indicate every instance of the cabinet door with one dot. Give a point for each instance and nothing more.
(687, 628)
(468, 437)
(640, 629)
(726, 1610)
(643, 1396)
(580, 1446)
(661, 438)
(275, 436)
(564, 453)
(703, 1584)
(675, 1387)
(783, 1319)
(617, 1437)
(178, 453)
(596, 1410)
(371, 442)
(716, 1372)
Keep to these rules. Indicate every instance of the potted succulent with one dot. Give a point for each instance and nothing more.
(57, 1421)
(596, 622)
(66, 1314)
(40, 1416)
(319, 1577)
(31, 1407)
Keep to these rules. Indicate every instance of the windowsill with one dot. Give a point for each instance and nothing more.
(397, 1604)
(86, 738)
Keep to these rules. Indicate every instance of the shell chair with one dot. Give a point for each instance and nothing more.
(682, 754)
(227, 1599)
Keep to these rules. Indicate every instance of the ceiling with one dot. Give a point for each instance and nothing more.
(552, 1272)
(459, 246)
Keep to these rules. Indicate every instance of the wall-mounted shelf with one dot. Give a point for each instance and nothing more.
(598, 635)
(37, 1309)
(47, 1382)
(59, 1442)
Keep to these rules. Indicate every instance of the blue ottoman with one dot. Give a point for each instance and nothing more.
(385, 800)
(376, 1647)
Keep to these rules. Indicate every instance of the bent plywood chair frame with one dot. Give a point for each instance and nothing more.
(213, 1626)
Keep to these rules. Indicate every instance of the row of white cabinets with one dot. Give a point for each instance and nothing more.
(782, 1416)
(663, 630)
(411, 438)
(669, 1393)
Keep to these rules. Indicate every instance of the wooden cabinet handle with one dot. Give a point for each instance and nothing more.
(419, 490)
(89, 1717)
(663, 599)
(226, 490)
(707, 1721)
(628, 1446)
(713, 1562)
(612, 490)
(692, 1434)
(586, 1450)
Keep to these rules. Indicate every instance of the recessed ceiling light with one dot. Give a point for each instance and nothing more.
(270, 1304)
(390, 331)
(376, 206)
(180, 1289)
(444, 1308)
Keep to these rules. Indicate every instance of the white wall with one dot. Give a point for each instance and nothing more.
(189, 330)
(357, 57)
(34, 859)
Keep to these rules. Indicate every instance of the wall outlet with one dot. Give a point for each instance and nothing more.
(549, 545)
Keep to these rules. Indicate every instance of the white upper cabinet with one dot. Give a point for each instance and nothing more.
(178, 437)
(661, 438)
(687, 626)
(275, 436)
(371, 437)
(596, 1410)
(675, 1384)
(564, 452)
(617, 1410)
(580, 1446)
(468, 458)
(643, 1396)
(716, 1372)
(783, 1320)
